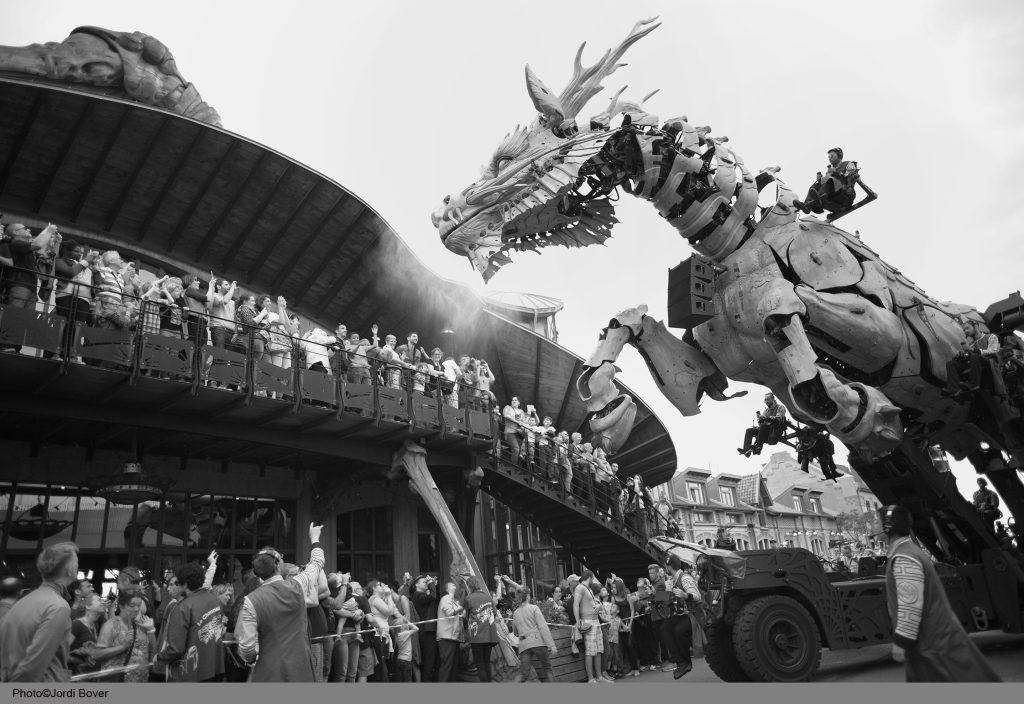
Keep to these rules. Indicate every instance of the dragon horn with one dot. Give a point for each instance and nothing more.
(543, 99)
(586, 82)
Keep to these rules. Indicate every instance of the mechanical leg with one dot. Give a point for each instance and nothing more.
(859, 415)
(684, 373)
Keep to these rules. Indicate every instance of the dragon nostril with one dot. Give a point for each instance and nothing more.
(447, 200)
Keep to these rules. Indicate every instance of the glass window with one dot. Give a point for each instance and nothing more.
(430, 552)
(815, 506)
(695, 490)
(728, 495)
(798, 503)
(735, 518)
(383, 531)
(370, 553)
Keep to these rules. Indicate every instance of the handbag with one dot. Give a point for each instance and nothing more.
(507, 643)
(577, 640)
(119, 677)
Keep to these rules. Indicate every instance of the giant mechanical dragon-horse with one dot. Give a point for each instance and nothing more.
(843, 339)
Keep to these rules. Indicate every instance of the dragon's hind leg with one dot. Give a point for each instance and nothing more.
(856, 413)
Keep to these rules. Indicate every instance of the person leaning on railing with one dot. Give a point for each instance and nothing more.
(18, 250)
(563, 460)
(250, 320)
(283, 328)
(109, 288)
(74, 289)
(358, 361)
(221, 305)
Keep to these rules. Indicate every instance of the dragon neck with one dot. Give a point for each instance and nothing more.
(697, 189)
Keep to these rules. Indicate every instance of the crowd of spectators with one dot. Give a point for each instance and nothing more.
(101, 289)
(578, 468)
(281, 622)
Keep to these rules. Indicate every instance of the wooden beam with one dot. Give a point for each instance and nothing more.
(274, 241)
(340, 280)
(317, 422)
(257, 215)
(213, 232)
(314, 234)
(90, 180)
(636, 448)
(287, 408)
(72, 135)
(537, 370)
(21, 139)
(413, 461)
(193, 424)
(184, 214)
(570, 389)
(172, 177)
(501, 374)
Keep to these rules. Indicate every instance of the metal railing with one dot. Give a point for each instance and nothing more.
(125, 335)
(599, 494)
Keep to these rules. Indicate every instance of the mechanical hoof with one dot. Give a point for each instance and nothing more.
(859, 415)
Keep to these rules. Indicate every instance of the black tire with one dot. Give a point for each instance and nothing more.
(776, 640)
(721, 654)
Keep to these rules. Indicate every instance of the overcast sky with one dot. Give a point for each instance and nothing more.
(401, 102)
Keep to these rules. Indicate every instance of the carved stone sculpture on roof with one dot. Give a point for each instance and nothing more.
(132, 64)
(842, 338)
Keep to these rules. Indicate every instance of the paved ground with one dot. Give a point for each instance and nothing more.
(1005, 652)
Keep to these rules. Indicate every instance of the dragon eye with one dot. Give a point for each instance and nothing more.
(502, 161)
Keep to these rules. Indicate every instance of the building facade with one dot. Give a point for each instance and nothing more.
(745, 509)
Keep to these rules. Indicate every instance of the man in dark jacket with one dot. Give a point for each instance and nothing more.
(192, 649)
(424, 598)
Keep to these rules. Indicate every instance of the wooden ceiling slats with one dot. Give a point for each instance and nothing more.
(315, 233)
(60, 159)
(31, 119)
(356, 263)
(145, 173)
(215, 229)
(274, 240)
(91, 178)
(183, 215)
(255, 217)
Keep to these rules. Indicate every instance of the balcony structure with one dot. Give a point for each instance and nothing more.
(183, 197)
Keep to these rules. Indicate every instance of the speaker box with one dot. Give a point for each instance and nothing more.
(691, 293)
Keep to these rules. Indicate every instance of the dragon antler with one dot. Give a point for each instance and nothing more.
(586, 82)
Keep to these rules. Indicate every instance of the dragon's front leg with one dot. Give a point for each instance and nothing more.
(859, 415)
(684, 374)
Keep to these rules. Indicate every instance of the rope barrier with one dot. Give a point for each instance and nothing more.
(110, 671)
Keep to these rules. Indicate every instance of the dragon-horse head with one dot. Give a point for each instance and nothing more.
(548, 185)
(537, 190)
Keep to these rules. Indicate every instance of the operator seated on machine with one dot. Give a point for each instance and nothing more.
(965, 372)
(769, 428)
(834, 191)
(814, 444)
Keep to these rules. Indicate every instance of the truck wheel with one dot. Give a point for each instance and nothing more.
(776, 640)
(721, 655)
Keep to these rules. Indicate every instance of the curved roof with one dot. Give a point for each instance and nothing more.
(198, 194)
(530, 303)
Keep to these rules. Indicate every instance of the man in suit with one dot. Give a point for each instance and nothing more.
(272, 626)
